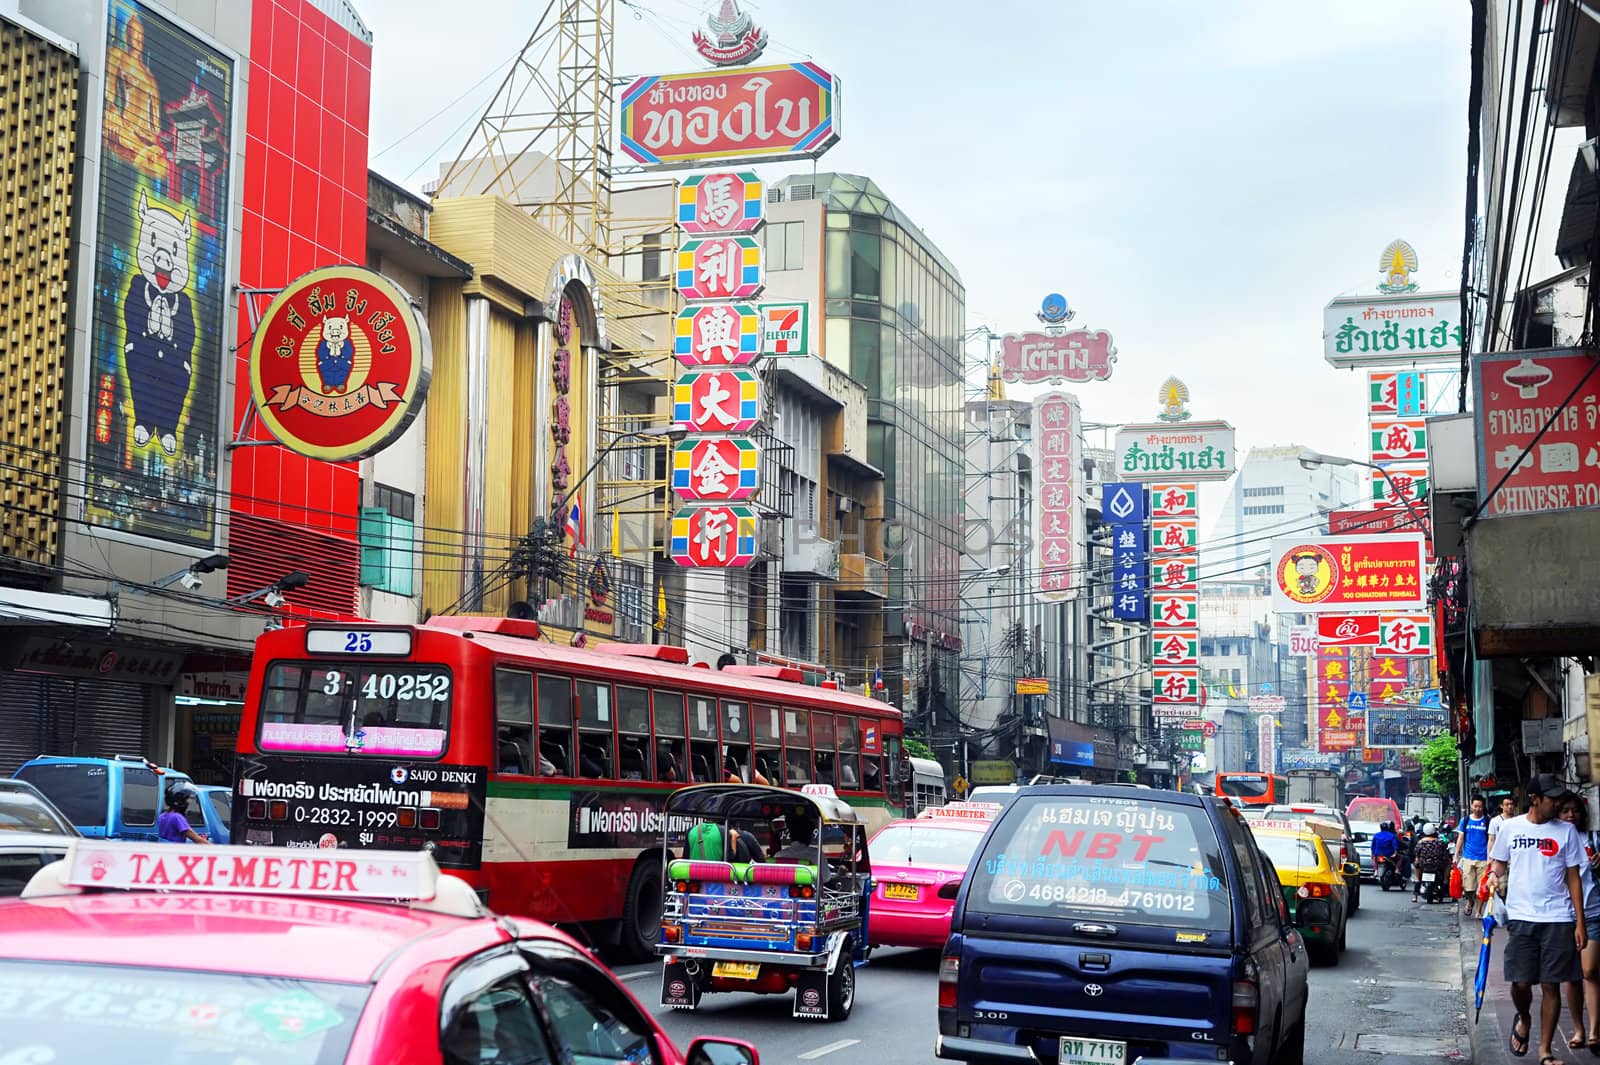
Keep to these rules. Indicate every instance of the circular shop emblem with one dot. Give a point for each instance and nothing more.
(339, 364)
(1308, 573)
(328, 841)
(398, 774)
(812, 999)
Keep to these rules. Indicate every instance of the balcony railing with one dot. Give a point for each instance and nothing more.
(863, 575)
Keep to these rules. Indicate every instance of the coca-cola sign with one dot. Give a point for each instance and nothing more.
(1078, 355)
(755, 114)
(1348, 630)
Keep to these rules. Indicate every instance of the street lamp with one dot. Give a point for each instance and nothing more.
(1310, 460)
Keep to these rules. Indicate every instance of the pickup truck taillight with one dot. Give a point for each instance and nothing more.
(949, 973)
(1246, 1004)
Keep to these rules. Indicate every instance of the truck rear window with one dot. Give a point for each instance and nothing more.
(80, 790)
(1089, 857)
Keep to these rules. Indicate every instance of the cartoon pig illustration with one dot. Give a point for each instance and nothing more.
(335, 354)
(158, 351)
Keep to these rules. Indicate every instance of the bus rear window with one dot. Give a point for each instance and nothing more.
(1083, 857)
(1246, 787)
(385, 710)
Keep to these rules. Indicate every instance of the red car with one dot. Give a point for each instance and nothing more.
(196, 955)
(917, 866)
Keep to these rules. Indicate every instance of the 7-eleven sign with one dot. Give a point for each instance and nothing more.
(1174, 501)
(1405, 635)
(1180, 648)
(1174, 535)
(1175, 686)
(1170, 611)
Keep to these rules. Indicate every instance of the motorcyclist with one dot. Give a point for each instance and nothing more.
(1385, 847)
(1432, 856)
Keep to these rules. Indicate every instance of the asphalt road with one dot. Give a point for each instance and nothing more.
(1395, 997)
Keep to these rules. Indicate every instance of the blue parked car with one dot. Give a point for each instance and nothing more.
(1105, 924)
(213, 803)
(118, 798)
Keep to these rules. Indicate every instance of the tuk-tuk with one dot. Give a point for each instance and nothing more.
(766, 890)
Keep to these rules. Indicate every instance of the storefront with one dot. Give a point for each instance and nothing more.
(208, 701)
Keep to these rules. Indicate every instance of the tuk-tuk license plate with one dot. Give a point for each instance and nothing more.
(1076, 1051)
(737, 970)
(900, 891)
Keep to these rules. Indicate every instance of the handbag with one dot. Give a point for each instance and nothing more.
(1455, 882)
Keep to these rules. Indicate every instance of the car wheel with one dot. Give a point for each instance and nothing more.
(1293, 1049)
(641, 912)
(1323, 953)
(842, 988)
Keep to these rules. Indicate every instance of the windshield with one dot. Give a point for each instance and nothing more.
(23, 811)
(1370, 810)
(1083, 856)
(80, 790)
(1000, 793)
(1288, 852)
(1246, 787)
(388, 710)
(924, 845)
(222, 803)
(89, 1013)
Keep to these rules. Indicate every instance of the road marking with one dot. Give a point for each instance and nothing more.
(812, 1055)
(641, 974)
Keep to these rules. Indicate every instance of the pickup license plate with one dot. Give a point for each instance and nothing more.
(1075, 1051)
(901, 891)
(737, 970)
(1427, 878)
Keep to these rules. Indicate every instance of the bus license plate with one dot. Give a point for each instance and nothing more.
(1076, 1051)
(900, 891)
(737, 970)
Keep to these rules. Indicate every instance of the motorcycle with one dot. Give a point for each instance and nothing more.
(1435, 885)
(1389, 874)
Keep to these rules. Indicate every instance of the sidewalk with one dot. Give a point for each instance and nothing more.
(1492, 1032)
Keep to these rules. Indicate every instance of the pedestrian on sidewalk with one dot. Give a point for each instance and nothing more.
(1472, 852)
(1537, 856)
(1508, 810)
(1583, 997)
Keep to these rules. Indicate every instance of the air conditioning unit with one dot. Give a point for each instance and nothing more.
(845, 504)
(802, 192)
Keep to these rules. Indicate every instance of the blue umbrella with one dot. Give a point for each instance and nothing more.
(1483, 966)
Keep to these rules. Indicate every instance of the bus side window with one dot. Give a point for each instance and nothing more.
(672, 753)
(736, 764)
(822, 740)
(595, 725)
(703, 760)
(513, 721)
(555, 722)
(768, 739)
(633, 728)
(891, 770)
(796, 747)
(849, 757)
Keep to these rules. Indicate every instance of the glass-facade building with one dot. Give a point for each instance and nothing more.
(894, 312)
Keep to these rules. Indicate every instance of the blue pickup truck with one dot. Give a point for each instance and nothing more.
(121, 797)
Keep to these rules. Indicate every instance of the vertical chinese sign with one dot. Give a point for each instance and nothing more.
(1057, 514)
(160, 280)
(1397, 408)
(1124, 509)
(717, 397)
(1334, 734)
(1175, 600)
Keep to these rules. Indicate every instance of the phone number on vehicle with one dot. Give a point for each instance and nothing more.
(344, 817)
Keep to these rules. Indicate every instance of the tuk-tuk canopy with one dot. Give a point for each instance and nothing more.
(754, 801)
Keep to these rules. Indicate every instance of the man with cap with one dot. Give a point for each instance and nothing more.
(1544, 910)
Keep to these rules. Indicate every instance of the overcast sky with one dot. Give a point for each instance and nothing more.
(1198, 179)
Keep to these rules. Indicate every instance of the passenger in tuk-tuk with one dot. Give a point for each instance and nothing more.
(803, 847)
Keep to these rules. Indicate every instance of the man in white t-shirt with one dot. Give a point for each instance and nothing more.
(1508, 810)
(1545, 930)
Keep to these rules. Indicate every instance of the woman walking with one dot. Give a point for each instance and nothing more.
(1585, 993)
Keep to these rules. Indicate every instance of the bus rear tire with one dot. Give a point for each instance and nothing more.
(641, 912)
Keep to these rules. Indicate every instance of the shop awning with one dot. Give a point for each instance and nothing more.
(20, 606)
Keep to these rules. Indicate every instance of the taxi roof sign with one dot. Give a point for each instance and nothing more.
(1297, 827)
(409, 876)
(819, 791)
(962, 811)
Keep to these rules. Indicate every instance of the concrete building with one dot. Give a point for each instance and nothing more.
(1273, 495)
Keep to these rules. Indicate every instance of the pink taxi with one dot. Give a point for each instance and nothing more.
(917, 866)
(190, 955)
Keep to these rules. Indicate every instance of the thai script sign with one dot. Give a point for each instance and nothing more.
(1267, 744)
(1266, 704)
(1358, 331)
(721, 268)
(1079, 355)
(1349, 573)
(717, 401)
(1195, 451)
(716, 468)
(1301, 758)
(1302, 641)
(717, 334)
(718, 536)
(1517, 395)
(340, 364)
(772, 113)
(1401, 727)
(1370, 522)
(721, 203)
(1058, 518)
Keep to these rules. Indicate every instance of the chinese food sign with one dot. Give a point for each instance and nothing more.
(1517, 397)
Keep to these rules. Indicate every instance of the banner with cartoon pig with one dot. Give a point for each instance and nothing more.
(160, 282)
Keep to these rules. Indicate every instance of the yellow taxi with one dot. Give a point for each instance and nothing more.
(1313, 884)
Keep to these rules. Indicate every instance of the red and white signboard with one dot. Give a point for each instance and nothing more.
(1174, 501)
(1175, 573)
(1348, 630)
(753, 114)
(1516, 398)
(1372, 522)
(1176, 687)
(1406, 635)
(1179, 648)
(717, 334)
(1400, 440)
(1303, 641)
(1058, 518)
(716, 468)
(717, 401)
(1079, 355)
(722, 537)
(1172, 611)
(253, 870)
(721, 203)
(721, 268)
(1345, 574)
(1396, 394)
(1405, 483)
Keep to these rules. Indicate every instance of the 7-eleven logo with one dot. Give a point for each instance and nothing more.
(1174, 501)
(783, 328)
(1175, 610)
(1178, 649)
(1175, 686)
(1405, 635)
(1174, 534)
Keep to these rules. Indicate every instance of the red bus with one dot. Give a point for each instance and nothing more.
(1254, 789)
(535, 770)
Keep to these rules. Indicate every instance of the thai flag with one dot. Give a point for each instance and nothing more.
(877, 678)
(575, 529)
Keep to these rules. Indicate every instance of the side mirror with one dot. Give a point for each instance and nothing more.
(707, 1051)
(1351, 869)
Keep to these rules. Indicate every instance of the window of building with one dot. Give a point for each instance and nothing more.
(644, 258)
(388, 540)
(1275, 508)
(786, 246)
(1265, 490)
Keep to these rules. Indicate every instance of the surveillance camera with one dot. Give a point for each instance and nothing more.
(274, 599)
(191, 580)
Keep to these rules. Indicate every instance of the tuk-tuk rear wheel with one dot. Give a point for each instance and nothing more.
(842, 988)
